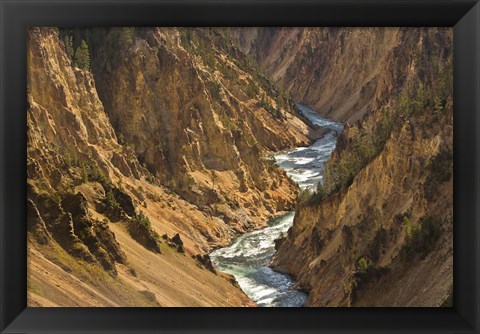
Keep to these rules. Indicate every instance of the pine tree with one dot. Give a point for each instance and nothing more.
(126, 36)
(68, 41)
(82, 56)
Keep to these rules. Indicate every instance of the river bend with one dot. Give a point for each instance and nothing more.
(249, 256)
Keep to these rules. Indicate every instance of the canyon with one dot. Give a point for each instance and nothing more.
(149, 148)
(379, 229)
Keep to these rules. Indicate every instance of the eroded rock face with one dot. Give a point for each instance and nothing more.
(178, 124)
(205, 261)
(103, 246)
(342, 73)
(140, 229)
(170, 147)
(66, 125)
(379, 237)
(36, 224)
(182, 106)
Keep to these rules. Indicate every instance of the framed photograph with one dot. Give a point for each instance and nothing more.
(239, 166)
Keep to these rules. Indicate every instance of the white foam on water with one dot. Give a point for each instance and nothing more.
(248, 257)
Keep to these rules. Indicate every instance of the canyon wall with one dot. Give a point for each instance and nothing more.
(149, 147)
(201, 120)
(378, 231)
(141, 159)
(340, 72)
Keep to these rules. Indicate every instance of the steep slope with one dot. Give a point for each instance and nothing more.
(200, 119)
(378, 231)
(100, 196)
(149, 147)
(341, 72)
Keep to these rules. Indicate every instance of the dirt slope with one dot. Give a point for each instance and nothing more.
(115, 220)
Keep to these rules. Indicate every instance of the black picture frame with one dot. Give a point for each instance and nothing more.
(17, 15)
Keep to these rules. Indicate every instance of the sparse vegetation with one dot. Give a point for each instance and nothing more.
(68, 43)
(305, 196)
(140, 228)
(84, 172)
(365, 272)
(251, 89)
(363, 265)
(362, 148)
(125, 36)
(82, 56)
(226, 121)
(89, 171)
(143, 220)
(213, 178)
(227, 71)
(186, 38)
(421, 237)
(110, 201)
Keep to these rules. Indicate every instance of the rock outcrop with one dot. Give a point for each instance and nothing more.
(378, 232)
(138, 133)
(342, 73)
(135, 133)
(199, 118)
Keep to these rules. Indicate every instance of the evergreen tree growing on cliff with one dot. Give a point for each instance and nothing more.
(126, 36)
(68, 41)
(82, 56)
(214, 178)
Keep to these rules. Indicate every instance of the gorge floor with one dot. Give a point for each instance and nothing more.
(249, 256)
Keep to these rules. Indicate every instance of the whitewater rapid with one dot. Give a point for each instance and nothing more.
(249, 256)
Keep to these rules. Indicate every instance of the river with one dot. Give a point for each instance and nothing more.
(248, 257)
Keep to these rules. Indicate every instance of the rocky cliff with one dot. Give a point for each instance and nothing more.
(142, 157)
(149, 147)
(378, 231)
(200, 119)
(340, 72)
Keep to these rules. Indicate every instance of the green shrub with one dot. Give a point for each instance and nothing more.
(305, 196)
(186, 38)
(209, 59)
(363, 265)
(141, 230)
(308, 196)
(213, 178)
(227, 72)
(251, 90)
(143, 220)
(421, 237)
(226, 121)
(110, 201)
(70, 159)
(98, 176)
(84, 172)
(190, 181)
(320, 192)
(270, 162)
(125, 36)
(365, 272)
(82, 56)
